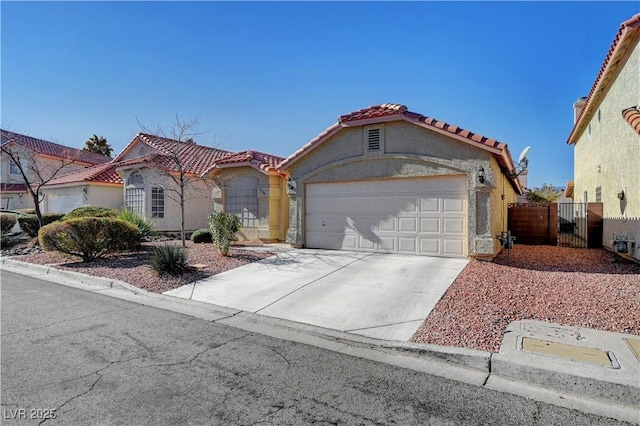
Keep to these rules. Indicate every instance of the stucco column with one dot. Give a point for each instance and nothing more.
(294, 232)
(483, 240)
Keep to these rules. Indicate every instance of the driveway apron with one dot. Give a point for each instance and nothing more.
(384, 296)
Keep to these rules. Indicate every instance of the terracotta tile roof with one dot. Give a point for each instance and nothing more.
(392, 112)
(13, 187)
(623, 44)
(52, 149)
(103, 173)
(376, 111)
(259, 160)
(195, 159)
(632, 115)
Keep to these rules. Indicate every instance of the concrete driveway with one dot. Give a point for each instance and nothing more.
(384, 296)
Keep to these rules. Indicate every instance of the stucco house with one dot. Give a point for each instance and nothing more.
(606, 139)
(384, 179)
(47, 158)
(146, 175)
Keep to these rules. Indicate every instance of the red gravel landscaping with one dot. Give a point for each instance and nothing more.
(576, 287)
(134, 268)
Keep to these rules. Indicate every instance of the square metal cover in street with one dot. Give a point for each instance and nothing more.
(576, 353)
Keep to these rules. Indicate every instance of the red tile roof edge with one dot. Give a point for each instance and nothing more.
(629, 28)
(632, 115)
(52, 149)
(102, 173)
(261, 161)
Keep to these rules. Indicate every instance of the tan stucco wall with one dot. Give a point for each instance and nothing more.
(198, 204)
(97, 195)
(609, 157)
(273, 203)
(407, 151)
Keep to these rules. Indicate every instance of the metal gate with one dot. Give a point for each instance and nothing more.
(573, 225)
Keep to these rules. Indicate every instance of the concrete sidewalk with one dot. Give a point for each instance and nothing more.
(384, 296)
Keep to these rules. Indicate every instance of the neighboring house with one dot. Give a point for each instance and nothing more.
(145, 177)
(384, 179)
(606, 139)
(44, 156)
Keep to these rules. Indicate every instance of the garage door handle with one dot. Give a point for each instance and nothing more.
(323, 223)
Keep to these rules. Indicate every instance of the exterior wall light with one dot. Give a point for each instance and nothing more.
(621, 195)
(481, 174)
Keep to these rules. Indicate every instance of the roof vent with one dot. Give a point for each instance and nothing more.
(373, 139)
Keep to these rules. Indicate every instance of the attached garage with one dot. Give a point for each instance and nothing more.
(424, 216)
(384, 179)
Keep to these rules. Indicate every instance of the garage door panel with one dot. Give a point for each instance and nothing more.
(453, 247)
(419, 216)
(430, 205)
(407, 224)
(430, 224)
(453, 205)
(429, 246)
(453, 225)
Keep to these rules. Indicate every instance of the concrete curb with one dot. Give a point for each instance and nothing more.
(480, 368)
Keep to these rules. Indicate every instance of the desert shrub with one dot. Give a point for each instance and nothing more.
(89, 237)
(4, 241)
(146, 227)
(170, 260)
(223, 227)
(91, 211)
(30, 225)
(7, 221)
(202, 236)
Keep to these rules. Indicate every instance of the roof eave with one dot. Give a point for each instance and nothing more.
(622, 46)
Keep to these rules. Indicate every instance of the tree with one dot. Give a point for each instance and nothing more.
(184, 188)
(545, 194)
(37, 171)
(99, 145)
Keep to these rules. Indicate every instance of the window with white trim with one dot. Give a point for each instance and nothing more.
(157, 202)
(13, 167)
(241, 198)
(134, 193)
(598, 194)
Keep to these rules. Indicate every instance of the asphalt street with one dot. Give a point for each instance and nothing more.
(75, 357)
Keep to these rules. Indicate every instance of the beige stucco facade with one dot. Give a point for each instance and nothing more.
(407, 151)
(607, 157)
(64, 198)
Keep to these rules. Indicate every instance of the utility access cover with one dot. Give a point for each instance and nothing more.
(635, 347)
(572, 352)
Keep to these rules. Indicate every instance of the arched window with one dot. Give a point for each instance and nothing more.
(157, 201)
(241, 198)
(134, 193)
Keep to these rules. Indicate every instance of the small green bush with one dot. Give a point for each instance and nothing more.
(89, 237)
(223, 227)
(170, 260)
(202, 236)
(146, 227)
(4, 241)
(31, 226)
(7, 221)
(91, 211)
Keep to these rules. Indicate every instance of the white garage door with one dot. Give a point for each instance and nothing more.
(63, 203)
(425, 216)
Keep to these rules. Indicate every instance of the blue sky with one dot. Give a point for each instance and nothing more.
(271, 76)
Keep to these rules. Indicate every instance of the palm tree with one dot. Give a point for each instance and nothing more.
(98, 145)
